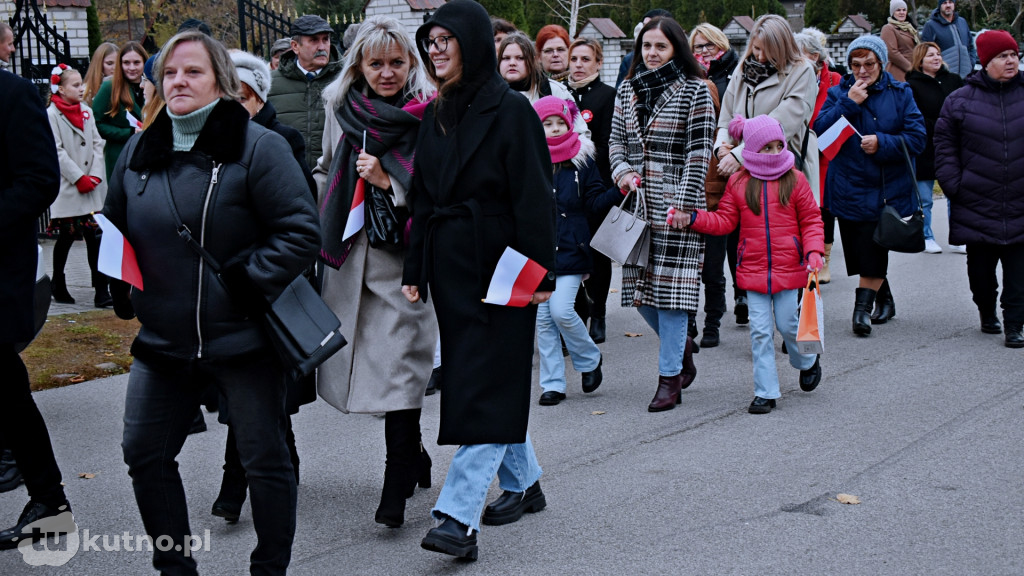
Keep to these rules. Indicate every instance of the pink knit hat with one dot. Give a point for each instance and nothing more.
(756, 133)
(555, 106)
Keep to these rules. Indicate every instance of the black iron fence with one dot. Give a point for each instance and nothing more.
(40, 46)
(259, 26)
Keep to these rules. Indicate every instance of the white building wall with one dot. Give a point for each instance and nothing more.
(398, 9)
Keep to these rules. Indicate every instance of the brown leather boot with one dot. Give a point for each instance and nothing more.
(689, 372)
(668, 394)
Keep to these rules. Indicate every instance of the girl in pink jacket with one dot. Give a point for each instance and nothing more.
(781, 240)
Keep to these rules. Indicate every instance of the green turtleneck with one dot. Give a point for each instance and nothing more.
(186, 128)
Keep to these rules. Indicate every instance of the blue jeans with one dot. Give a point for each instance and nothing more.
(558, 316)
(926, 192)
(464, 493)
(670, 326)
(160, 403)
(762, 341)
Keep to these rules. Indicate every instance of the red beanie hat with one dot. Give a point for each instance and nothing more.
(993, 42)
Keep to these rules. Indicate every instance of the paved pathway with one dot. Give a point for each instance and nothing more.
(921, 421)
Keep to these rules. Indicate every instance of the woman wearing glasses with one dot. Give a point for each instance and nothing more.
(772, 78)
(553, 48)
(718, 59)
(482, 182)
(870, 168)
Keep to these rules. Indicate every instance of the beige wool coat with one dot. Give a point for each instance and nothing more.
(80, 153)
(788, 96)
(390, 351)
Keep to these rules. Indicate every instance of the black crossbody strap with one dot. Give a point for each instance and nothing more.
(183, 231)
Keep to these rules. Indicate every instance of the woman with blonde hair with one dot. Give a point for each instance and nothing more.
(772, 78)
(117, 97)
(374, 109)
(102, 66)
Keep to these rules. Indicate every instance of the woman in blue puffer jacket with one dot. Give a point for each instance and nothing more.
(578, 192)
(871, 170)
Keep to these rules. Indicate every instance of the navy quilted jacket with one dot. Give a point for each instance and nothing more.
(979, 160)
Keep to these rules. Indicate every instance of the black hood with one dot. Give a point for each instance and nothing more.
(471, 25)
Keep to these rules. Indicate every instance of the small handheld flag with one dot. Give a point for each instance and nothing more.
(515, 279)
(117, 257)
(832, 139)
(134, 122)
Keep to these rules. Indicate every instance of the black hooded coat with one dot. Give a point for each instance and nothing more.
(482, 183)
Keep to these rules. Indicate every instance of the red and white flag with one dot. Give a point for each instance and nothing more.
(356, 215)
(515, 279)
(133, 122)
(832, 139)
(117, 257)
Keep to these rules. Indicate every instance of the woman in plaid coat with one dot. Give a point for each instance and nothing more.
(662, 133)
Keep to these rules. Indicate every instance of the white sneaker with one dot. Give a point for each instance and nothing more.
(931, 246)
(956, 248)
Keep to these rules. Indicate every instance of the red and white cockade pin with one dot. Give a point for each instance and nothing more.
(587, 116)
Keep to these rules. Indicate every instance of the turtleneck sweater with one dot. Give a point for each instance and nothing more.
(186, 128)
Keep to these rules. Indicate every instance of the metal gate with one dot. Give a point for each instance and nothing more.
(259, 27)
(39, 46)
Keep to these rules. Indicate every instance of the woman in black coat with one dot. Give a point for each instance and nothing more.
(596, 101)
(482, 183)
(931, 83)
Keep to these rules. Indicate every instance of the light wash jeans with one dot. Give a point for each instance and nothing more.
(464, 493)
(762, 342)
(925, 191)
(670, 326)
(558, 315)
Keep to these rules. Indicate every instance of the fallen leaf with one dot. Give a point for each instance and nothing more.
(847, 499)
(597, 413)
(86, 475)
(108, 354)
(77, 379)
(614, 290)
(633, 335)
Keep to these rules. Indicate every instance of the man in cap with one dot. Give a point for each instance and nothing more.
(950, 31)
(279, 47)
(300, 80)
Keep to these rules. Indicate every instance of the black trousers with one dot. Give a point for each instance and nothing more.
(713, 278)
(981, 273)
(24, 431)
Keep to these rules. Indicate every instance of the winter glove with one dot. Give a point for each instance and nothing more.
(814, 262)
(121, 292)
(87, 184)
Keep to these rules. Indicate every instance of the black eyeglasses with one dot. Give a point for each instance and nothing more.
(703, 47)
(439, 42)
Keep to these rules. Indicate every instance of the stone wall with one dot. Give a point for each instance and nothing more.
(69, 20)
(399, 10)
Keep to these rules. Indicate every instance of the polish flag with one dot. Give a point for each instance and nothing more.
(832, 139)
(356, 215)
(117, 257)
(515, 279)
(133, 122)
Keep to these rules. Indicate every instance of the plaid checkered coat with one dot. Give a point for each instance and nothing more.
(672, 160)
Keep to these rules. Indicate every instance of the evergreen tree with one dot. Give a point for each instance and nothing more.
(93, 26)
(511, 10)
(822, 14)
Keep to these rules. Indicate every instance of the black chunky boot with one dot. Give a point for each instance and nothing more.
(234, 486)
(103, 298)
(865, 299)
(885, 307)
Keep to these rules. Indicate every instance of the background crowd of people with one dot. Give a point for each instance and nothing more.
(480, 139)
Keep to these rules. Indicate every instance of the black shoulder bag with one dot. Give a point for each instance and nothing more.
(895, 232)
(304, 329)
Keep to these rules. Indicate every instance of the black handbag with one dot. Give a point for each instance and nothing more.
(895, 232)
(302, 327)
(385, 223)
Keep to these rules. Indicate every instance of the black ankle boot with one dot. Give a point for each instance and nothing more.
(100, 283)
(10, 475)
(865, 299)
(885, 307)
(598, 330)
(404, 466)
(59, 289)
(232, 495)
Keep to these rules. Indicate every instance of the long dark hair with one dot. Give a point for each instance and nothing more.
(682, 55)
(753, 191)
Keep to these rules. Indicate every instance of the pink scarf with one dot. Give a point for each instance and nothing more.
(564, 147)
(767, 167)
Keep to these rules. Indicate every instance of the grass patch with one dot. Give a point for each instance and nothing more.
(71, 346)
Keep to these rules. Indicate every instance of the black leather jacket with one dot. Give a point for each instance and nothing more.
(245, 200)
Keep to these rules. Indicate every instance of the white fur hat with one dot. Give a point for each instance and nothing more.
(253, 71)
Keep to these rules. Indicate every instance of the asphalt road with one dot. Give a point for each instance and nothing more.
(921, 422)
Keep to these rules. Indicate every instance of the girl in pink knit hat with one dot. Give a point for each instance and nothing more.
(781, 240)
(578, 192)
